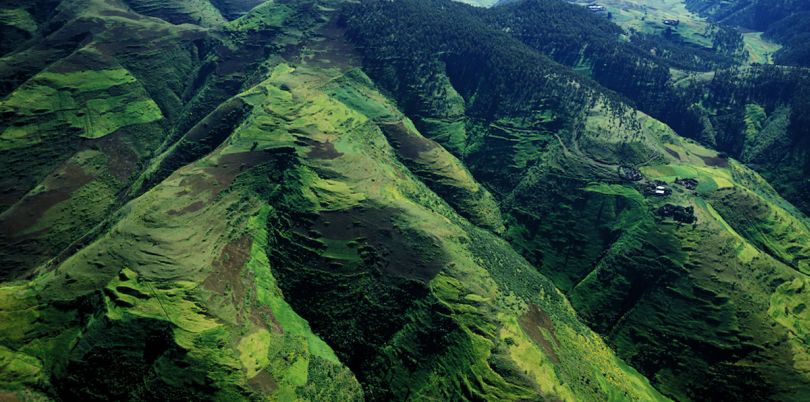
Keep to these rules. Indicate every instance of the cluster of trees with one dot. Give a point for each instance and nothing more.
(476, 48)
(513, 59)
(723, 103)
(639, 69)
(497, 75)
(793, 33)
(784, 21)
(753, 14)
(563, 30)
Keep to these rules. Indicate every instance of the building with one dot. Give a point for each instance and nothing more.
(658, 189)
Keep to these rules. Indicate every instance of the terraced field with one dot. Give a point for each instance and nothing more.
(302, 200)
(649, 16)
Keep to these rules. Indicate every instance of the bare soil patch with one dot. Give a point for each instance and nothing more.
(230, 165)
(531, 322)
(223, 173)
(227, 269)
(27, 212)
(332, 49)
(323, 150)
(715, 161)
(121, 160)
(263, 382)
(674, 154)
(193, 207)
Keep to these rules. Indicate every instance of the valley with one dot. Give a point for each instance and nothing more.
(418, 200)
(668, 17)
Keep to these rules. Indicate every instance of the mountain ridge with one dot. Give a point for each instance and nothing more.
(407, 211)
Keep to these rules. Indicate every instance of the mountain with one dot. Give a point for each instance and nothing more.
(754, 14)
(703, 94)
(785, 21)
(566, 227)
(407, 200)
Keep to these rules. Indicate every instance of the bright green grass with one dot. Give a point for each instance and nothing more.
(766, 225)
(754, 120)
(618, 190)
(772, 129)
(267, 292)
(354, 89)
(166, 283)
(86, 80)
(745, 251)
(18, 367)
(105, 116)
(471, 289)
(789, 307)
(759, 49)
(452, 134)
(267, 14)
(708, 179)
(78, 100)
(648, 15)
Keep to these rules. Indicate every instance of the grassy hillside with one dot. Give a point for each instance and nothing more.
(693, 27)
(672, 82)
(783, 22)
(285, 246)
(657, 284)
(758, 115)
(319, 200)
(81, 125)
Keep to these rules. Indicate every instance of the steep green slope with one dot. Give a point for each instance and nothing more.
(429, 292)
(638, 66)
(759, 115)
(297, 197)
(692, 30)
(92, 99)
(667, 81)
(754, 14)
(666, 279)
(783, 21)
(78, 122)
(377, 200)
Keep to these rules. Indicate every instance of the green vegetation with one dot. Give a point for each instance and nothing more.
(200, 12)
(80, 100)
(18, 18)
(649, 16)
(639, 278)
(322, 200)
(783, 22)
(697, 91)
(759, 50)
